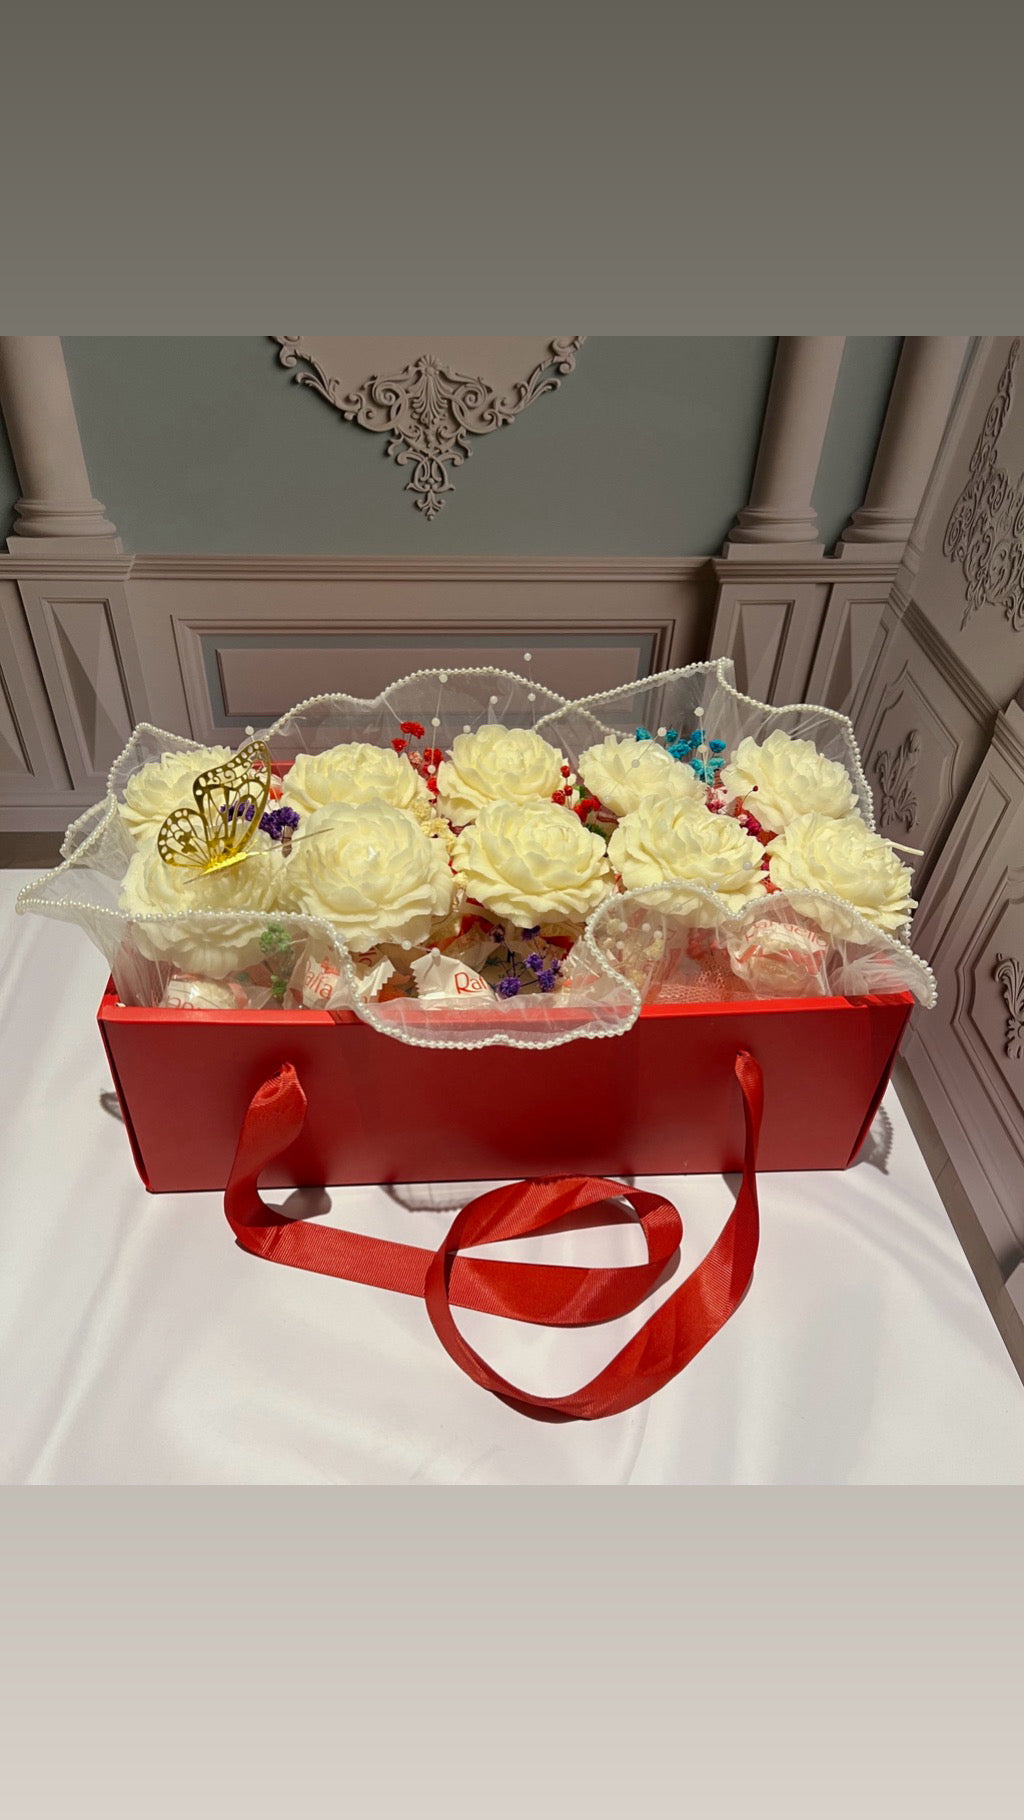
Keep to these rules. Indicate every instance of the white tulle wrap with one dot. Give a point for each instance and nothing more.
(675, 942)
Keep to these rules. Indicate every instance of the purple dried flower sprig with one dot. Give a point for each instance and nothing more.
(276, 822)
(545, 969)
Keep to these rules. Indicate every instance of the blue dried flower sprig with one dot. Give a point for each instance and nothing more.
(704, 756)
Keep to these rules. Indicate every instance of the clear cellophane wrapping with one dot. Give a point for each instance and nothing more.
(675, 943)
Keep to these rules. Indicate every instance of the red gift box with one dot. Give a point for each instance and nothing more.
(660, 1100)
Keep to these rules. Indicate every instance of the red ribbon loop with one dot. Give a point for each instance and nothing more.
(553, 1295)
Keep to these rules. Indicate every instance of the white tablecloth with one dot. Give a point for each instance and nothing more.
(140, 1345)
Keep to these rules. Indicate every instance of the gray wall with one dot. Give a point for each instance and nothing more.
(207, 444)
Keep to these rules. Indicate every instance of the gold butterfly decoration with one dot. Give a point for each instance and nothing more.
(230, 802)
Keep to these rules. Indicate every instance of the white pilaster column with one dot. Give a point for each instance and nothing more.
(919, 406)
(57, 503)
(780, 520)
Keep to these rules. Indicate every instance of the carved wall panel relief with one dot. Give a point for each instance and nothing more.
(430, 395)
(1010, 977)
(966, 1055)
(984, 1016)
(923, 724)
(895, 771)
(985, 533)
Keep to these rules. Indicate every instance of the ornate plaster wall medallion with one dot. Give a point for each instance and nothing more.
(985, 533)
(430, 395)
(895, 772)
(1010, 975)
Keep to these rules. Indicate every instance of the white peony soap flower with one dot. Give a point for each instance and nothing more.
(370, 871)
(678, 840)
(165, 785)
(532, 863)
(623, 773)
(844, 859)
(353, 773)
(784, 778)
(212, 948)
(496, 764)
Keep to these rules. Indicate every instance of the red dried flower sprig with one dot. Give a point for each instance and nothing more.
(584, 805)
(425, 762)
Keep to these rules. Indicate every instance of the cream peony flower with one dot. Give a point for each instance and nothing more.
(211, 948)
(845, 859)
(353, 773)
(785, 778)
(677, 840)
(532, 862)
(496, 765)
(370, 871)
(166, 784)
(625, 772)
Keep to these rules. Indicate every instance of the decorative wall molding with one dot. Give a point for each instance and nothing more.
(849, 628)
(743, 566)
(418, 568)
(214, 567)
(219, 654)
(64, 565)
(798, 629)
(33, 770)
(985, 532)
(769, 629)
(1009, 974)
(980, 704)
(913, 683)
(895, 772)
(963, 1054)
(84, 644)
(202, 645)
(923, 532)
(428, 408)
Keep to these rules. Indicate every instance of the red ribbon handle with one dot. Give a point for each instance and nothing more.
(551, 1295)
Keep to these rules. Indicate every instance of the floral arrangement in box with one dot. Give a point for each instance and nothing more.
(470, 858)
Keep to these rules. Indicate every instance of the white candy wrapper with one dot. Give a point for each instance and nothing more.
(370, 983)
(441, 981)
(779, 959)
(322, 986)
(188, 990)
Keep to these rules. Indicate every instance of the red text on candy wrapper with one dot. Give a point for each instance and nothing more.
(469, 982)
(321, 980)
